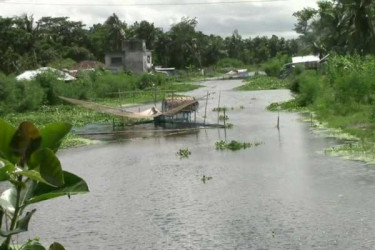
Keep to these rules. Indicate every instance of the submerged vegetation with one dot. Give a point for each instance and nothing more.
(264, 83)
(223, 118)
(291, 105)
(204, 179)
(184, 153)
(220, 109)
(235, 145)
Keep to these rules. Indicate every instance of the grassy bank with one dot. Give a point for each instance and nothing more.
(341, 97)
(264, 83)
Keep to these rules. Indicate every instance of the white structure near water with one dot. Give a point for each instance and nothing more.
(32, 74)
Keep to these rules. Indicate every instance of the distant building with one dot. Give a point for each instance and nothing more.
(133, 57)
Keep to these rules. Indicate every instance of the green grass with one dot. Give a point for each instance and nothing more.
(264, 83)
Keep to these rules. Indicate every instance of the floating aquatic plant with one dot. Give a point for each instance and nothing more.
(229, 125)
(220, 109)
(235, 145)
(206, 178)
(184, 153)
(223, 118)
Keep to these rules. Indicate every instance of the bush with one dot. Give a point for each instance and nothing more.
(309, 84)
(274, 66)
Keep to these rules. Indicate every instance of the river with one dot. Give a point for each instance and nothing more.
(284, 194)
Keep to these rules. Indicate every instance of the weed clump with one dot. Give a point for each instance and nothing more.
(264, 83)
(184, 153)
(223, 118)
(220, 109)
(235, 145)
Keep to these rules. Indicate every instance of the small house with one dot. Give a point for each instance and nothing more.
(133, 57)
(179, 109)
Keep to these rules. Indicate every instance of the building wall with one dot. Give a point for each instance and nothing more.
(114, 67)
(135, 61)
(134, 56)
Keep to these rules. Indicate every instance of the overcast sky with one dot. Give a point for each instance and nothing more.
(250, 19)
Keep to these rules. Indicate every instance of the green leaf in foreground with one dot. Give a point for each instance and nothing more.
(48, 165)
(6, 134)
(53, 135)
(25, 140)
(56, 246)
(73, 185)
(22, 225)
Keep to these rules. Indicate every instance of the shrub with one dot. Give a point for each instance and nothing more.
(274, 66)
(309, 87)
(228, 63)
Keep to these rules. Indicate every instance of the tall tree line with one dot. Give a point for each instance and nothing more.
(341, 26)
(26, 43)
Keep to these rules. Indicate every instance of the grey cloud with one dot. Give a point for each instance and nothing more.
(249, 19)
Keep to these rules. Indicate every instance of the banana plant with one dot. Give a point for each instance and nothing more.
(29, 163)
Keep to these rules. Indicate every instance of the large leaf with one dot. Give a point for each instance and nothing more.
(34, 245)
(6, 134)
(48, 165)
(73, 185)
(22, 225)
(53, 135)
(56, 246)
(25, 140)
(8, 200)
(34, 175)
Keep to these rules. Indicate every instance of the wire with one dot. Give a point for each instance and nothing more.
(141, 4)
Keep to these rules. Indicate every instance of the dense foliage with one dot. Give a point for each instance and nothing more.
(342, 26)
(26, 43)
(44, 90)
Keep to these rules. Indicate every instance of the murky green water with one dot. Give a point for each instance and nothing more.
(284, 194)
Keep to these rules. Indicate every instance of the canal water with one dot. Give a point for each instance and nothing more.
(283, 194)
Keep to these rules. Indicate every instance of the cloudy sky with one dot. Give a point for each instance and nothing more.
(250, 19)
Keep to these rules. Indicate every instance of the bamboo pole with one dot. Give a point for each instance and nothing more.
(205, 109)
(218, 108)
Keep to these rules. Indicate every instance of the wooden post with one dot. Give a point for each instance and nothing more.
(225, 127)
(278, 120)
(225, 122)
(218, 109)
(205, 109)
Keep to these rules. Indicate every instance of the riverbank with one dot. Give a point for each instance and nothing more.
(80, 117)
(357, 139)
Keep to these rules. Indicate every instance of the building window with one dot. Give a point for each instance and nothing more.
(116, 60)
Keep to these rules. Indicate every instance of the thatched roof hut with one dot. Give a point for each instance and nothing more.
(172, 103)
